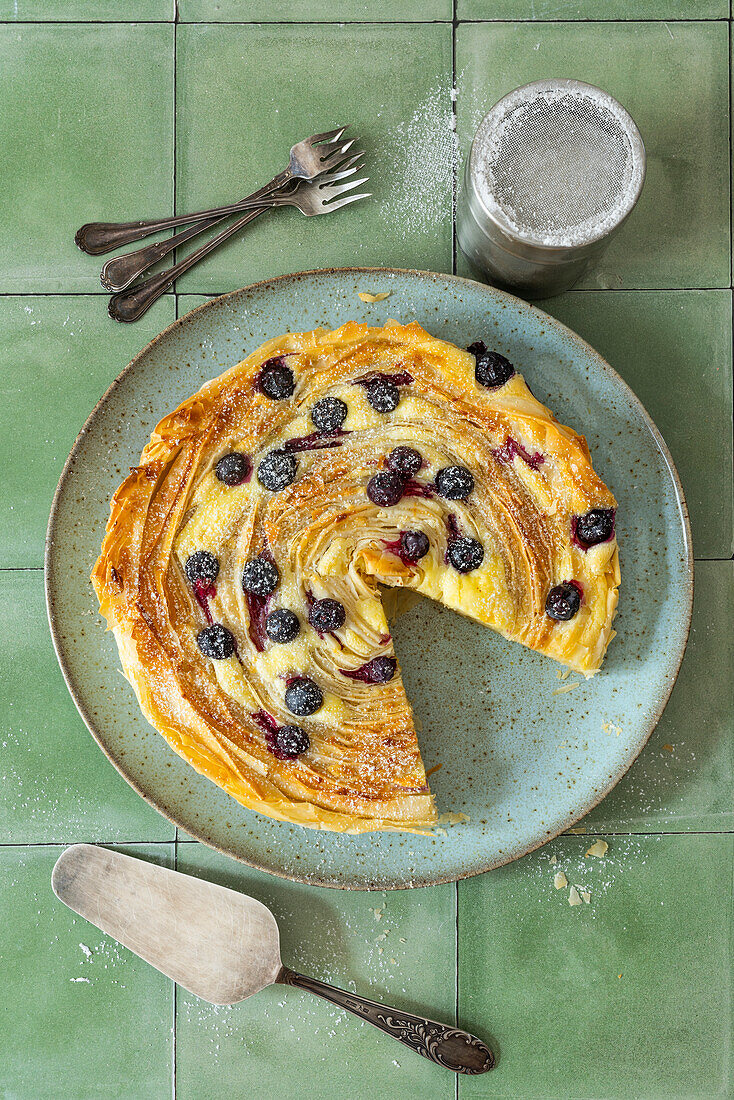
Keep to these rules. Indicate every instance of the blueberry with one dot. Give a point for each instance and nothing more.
(382, 394)
(465, 554)
(380, 669)
(454, 482)
(414, 545)
(216, 642)
(385, 489)
(201, 566)
(233, 468)
(277, 470)
(595, 527)
(325, 615)
(288, 742)
(329, 414)
(563, 602)
(260, 577)
(282, 625)
(492, 369)
(405, 461)
(276, 380)
(303, 697)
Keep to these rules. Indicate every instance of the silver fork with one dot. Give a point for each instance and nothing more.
(121, 271)
(320, 196)
(308, 159)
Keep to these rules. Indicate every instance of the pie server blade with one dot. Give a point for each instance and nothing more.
(224, 946)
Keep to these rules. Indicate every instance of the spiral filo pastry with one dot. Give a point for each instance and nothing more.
(353, 763)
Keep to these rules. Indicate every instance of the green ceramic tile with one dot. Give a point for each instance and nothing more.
(312, 11)
(57, 357)
(80, 1017)
(674, 349)
(86, 129)
(684, 778)
(71, 11)
(397, 947)
(628, 996)
(673, 78)
(592, 9)
(55, 783)
(245, 94)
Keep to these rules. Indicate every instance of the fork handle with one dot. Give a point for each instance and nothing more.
(96, 238)
(443, 1044)
(131, 305)
(119, 272)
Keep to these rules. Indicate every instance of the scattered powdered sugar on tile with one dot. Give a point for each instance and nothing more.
(416, 161)
(87, 951)
(87, 980)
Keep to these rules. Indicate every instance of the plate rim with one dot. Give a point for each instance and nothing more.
(492, 864)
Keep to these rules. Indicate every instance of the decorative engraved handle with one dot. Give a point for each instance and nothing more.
(95, 238)
(130, 305)
(446, 1046)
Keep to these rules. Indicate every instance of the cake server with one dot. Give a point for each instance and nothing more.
(224, 946)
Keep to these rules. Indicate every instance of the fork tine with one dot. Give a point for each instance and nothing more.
(332, 192)
(346, 168)
(327, 136)
(328, 159)
(345, 202)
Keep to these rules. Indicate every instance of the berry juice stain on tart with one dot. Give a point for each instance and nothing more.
(242, 559)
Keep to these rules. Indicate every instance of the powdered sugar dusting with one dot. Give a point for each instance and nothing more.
(417, 161)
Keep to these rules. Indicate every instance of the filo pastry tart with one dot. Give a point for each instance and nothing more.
(242, 558)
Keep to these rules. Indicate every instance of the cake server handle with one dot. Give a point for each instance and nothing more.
(447, 1046)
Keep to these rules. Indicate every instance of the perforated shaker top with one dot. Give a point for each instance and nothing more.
(558, 163)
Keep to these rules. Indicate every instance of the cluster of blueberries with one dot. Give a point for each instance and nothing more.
(278, 469)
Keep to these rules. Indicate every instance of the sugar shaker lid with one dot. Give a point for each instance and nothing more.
(557, 164)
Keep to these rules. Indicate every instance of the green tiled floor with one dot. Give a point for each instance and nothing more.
(284, 1038)
(674, 81)
(627, 996)
(87, 121)
(406, 134)
(80, 1016)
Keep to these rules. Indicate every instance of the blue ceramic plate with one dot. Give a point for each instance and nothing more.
(521, 760)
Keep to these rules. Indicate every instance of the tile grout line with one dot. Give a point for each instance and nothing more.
(174, 129)
(336, 22)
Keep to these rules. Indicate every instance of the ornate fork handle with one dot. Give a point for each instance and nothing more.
(446, 1046)
(130, 305)
(95, 238)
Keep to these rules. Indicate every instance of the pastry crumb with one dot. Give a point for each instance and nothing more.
(450, 818)
(573, 896)
(366, 297)
(554, 859)
(377, 913)
(599, 848)
(566, 687)
(560, 881)
(577, 831)
(585, 894)
(668, 748)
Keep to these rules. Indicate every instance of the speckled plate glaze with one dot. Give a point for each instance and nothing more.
(522, 762)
